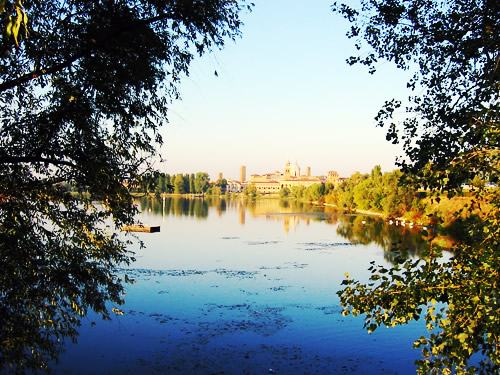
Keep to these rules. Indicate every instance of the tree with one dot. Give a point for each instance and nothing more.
(250, 191)
(397, 198)
(172, 182)
(363, 194)
(450, 135)
(186, 184)
(84, 86)
(297, 191)
(168, 185)
(285, 192)
(201, 182)
(345, 191)
(314, 192)
(179, 184)
(160, 185)
(215, 191)
(192, 189)
(222, 183)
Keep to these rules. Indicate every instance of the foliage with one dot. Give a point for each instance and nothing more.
(191, 182)
(368, 229)
(312, 193)
(175, 206)
(452, 46)
(85, 85)
(285, 192)
(179, 184)
(450, 135)
(201, 182)
(375, 192)
(250, 191)
(298, 191)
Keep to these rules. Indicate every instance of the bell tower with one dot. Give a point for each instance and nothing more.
(287, 169)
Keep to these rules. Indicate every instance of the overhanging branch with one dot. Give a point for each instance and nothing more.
(85, 52)
(31, 159)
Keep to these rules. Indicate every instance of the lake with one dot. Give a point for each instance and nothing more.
(244, 287)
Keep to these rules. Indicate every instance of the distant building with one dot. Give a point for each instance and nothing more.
(291, 176)
(234, 186)
(243, 174)
(292, 170)
(333, 177)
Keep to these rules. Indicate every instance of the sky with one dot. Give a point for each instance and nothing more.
(283, 91)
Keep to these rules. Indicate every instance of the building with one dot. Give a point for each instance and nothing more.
(333, 177)
(234, 186)
(291, 176)
(243, 173)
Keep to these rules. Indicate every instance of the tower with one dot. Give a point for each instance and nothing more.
(287, 168)
(243, 173)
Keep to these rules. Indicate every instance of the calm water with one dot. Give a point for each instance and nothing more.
(246, 288)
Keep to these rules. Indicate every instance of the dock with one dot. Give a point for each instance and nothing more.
(141, 228)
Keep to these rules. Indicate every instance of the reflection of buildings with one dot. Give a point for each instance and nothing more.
(274, 182)
(276, 210)
(242, 215)
(290, 221)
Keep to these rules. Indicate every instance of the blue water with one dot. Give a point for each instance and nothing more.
(241, 291)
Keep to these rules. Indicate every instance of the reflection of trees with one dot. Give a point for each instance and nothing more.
(176, 206)
(356, 228)
(279, 206)
(198, 207)
(401, 241)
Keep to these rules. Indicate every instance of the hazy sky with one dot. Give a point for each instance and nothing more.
(283, 92)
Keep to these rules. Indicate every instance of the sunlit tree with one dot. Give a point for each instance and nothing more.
(179, 184)
(201, 181)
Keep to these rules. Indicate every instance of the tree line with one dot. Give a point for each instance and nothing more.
(188, 183)
(181, 183)
(375, 191)
(387, 194)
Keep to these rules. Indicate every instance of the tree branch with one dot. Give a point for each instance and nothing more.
(85, 52)
(32, 159)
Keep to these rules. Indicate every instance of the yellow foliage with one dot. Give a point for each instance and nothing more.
(15, 22)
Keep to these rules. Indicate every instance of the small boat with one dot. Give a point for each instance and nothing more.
(141, 228)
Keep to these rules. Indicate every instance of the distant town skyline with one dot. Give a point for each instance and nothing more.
(305, 170)
(282, 91)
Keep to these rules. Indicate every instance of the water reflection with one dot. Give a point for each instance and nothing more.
(199, 207)
(360, 229)
(395, 240)
(239, 286)
(195, 207)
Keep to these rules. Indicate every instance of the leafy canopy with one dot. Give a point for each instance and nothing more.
(450, 134)
(84, 88)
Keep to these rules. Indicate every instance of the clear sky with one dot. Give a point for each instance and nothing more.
(283, 92)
